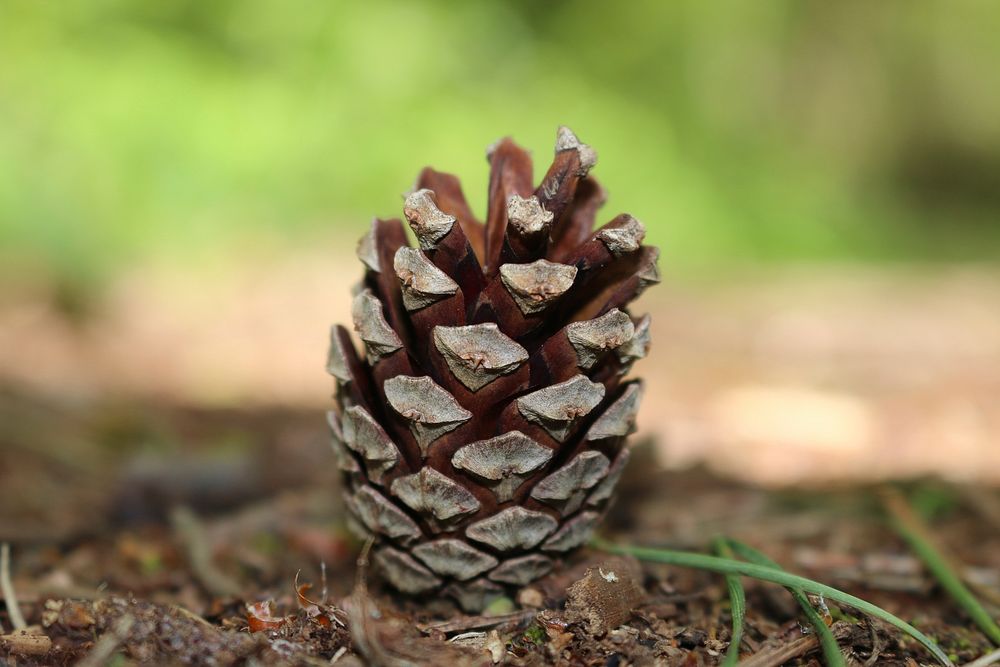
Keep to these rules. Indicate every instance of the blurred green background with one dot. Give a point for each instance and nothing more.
(187, 131)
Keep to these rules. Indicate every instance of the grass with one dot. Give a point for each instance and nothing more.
(738, 604)
(828, 643)
(728, 566)
(912, 529)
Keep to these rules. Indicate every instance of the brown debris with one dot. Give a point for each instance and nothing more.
(147, 632)
(603, 599)
(260, 617)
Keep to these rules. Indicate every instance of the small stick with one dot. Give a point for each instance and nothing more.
(191, 535)
(782, 654)
(187, 613)
(876, 644)
(988, 659)
(360, 608)
(13, 610)
(108, 644)
(26, 644)
(984, 503)
(479, 622)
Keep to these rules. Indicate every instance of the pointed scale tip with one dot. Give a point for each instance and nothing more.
(421, 282)
(428, 222)
(625, 238)
(367, 248)
(534, 286)
(566, 140)
(527, 215)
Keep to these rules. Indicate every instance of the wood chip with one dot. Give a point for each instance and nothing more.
(25, 643)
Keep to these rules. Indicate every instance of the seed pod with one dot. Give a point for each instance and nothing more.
(481, 425)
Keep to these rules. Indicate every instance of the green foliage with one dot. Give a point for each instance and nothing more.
(736, 131)
(737, 602)
(536, 634)
(767, 573)
(832, 656)
(907, 523)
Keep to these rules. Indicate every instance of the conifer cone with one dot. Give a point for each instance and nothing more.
(482, 430)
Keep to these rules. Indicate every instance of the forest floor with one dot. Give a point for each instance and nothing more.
(149, 522)
(168, 534)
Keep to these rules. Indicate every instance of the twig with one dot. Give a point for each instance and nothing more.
(108, 644)
(23, 643)
(362, 613)
(187, 613)
(322, 578)
(361, 579)
(478, 622)
(386, 640)
(987, 506)
(782, 654)
(9, 596)
(986, 660)
(876, 644)
(912, 529)
(191, 535)
(984, 503)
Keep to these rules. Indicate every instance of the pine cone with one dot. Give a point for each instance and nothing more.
(483, 431)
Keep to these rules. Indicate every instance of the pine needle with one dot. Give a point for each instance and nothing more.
(911, 528)
(986, 660)
(7, 590)
(831, 650)
(737, 602)
(727, 566)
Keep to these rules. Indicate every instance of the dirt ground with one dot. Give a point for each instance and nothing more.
(166, 479)
(157, 533)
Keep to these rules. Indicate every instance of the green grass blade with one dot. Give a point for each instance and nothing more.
(737, 603)
(727, 566)
(912, 529)
(831, 650)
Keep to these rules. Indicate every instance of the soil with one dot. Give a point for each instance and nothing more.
(170, 534)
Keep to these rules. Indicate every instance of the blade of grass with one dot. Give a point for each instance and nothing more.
(831, 650)
(726, 566)
(912, 529)
(737, 603)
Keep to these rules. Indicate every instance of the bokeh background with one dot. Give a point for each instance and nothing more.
(182, 184)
